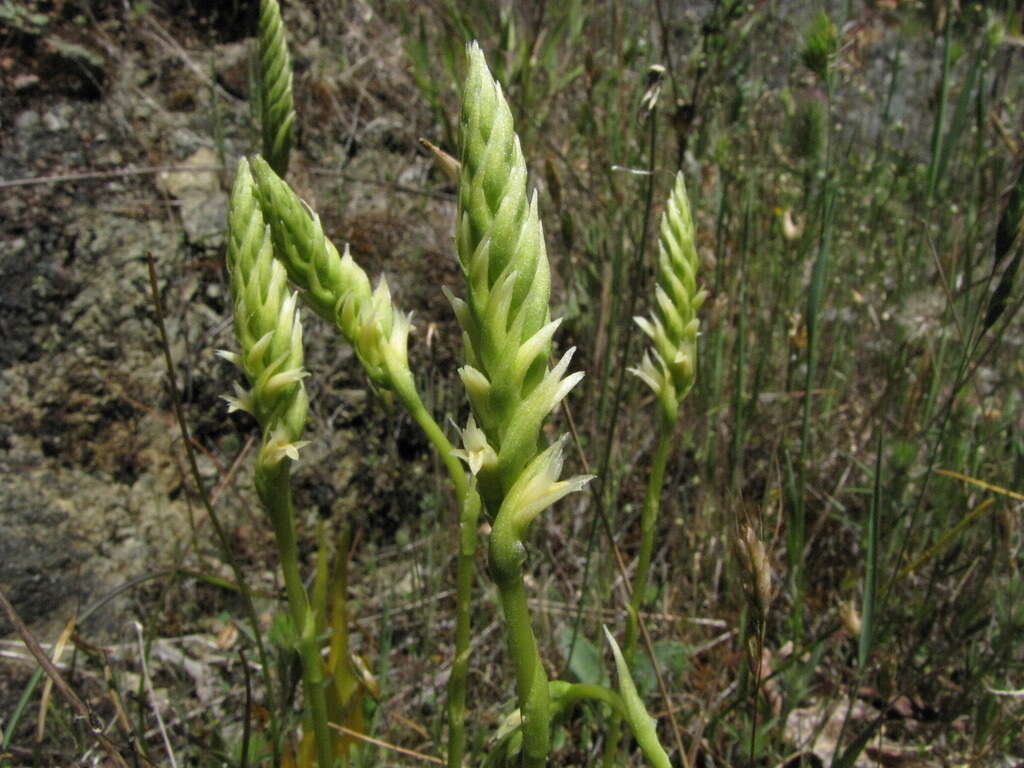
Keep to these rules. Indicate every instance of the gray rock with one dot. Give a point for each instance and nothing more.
(27, 120)
(203, 204)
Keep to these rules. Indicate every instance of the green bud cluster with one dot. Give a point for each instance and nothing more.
(669, 368)
(267, 326)
(505, 317)
(333, 284)
(277, 112)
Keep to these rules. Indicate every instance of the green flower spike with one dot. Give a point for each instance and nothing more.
(333, 285)
(266, 323)
(669, 368)
(268, 329)
(507, 332)
(505, 318)
(277, 112)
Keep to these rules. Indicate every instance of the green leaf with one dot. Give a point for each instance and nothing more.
(672, 657)
(282, 632)
(586, 663)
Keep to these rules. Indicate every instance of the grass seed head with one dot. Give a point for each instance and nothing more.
(757, 571)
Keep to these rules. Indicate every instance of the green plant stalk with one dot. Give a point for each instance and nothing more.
(940, 114)
(648, 524)
(815, 297)
(274, 489)
(405, 390)
(738, 440)
(506, 557)
(468, 518)
(569, 694)
(871, 564)
(404, 387)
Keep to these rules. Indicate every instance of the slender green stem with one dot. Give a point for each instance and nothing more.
(275, 492)
(582, 691)
(815, 297)
(405, 389)
(648, 522)
(506, 557)
(605, 493)
(469, 512)
(468, 516)
(940, 114)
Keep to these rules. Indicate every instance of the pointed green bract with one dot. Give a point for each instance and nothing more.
(277, 112)
(669, 369)
(641, 723)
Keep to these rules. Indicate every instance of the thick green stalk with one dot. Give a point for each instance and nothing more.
(272, 483)
(569, 694)
(507, 556)
(468, 518)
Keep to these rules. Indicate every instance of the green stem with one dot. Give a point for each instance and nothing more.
(567, 695)
(275, 493)
(582, 691)
(940, 114)
(405, 388)
(648, 523)
(506, 558)
(468, 517)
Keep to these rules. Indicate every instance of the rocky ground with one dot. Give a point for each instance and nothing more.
(119, 134)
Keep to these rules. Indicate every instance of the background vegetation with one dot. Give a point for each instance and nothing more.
(855, 182)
